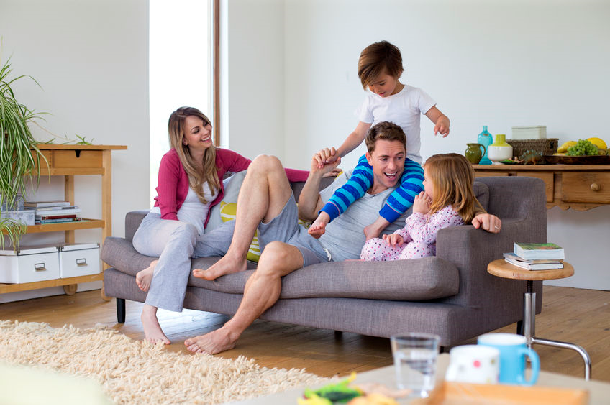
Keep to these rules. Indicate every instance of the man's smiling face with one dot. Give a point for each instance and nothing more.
(388, 161)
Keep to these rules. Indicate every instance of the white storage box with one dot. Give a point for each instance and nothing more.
(29, 264)
(79, 260)
(538, 132)
(26, 216)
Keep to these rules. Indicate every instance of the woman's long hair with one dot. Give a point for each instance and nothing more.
(452, 177)
(176, 129)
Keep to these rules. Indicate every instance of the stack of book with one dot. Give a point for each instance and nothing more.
(50, 212)
(536, 256)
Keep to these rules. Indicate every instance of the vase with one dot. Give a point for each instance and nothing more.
(499, 150)
(485, 139)
(474, 153)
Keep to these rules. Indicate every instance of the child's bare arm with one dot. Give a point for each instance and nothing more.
(354, 139)
(440, 120)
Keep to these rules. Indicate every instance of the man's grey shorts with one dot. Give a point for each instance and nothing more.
(285, 228)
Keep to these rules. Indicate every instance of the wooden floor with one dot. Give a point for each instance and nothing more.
(569, 314)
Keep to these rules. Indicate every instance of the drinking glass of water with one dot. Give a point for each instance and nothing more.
(415, 361)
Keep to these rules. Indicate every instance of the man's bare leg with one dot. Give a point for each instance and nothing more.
(152, 330)
(262, 197)
(262, 291)
(144, 277)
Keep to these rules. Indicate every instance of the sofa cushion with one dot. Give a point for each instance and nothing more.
(413, 280)
(481, 191)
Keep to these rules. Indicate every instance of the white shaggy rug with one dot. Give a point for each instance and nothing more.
(135, 372)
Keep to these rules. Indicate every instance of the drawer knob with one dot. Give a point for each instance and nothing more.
(595, 187)
(40, 267)
(81, 262)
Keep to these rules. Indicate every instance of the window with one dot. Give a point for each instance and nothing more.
(180, 68)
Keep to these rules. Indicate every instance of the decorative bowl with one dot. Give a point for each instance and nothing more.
(578, 160)
(498, 153)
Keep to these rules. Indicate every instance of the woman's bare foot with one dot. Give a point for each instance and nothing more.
(152, 330)
(212, 343)
(143, 277)
(227, 265)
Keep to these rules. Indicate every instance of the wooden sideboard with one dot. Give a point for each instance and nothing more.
(70, 161)
(580, 187)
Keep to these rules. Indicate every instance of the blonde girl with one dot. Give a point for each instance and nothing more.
(447, 200)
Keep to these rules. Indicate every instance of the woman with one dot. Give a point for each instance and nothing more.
(189, 185)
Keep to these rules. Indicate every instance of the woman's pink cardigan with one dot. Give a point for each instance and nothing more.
(174, 184)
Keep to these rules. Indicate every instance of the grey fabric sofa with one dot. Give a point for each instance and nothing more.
(451, 295)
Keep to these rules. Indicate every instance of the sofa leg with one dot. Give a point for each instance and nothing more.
(120, 310)
(520, 328)
(338, 334)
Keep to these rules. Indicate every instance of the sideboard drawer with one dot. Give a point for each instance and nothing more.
(548, 182)
(69, 158)
(586, 187)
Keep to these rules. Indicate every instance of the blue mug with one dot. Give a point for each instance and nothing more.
(513, 350)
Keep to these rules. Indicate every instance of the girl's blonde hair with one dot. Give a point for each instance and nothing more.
(452, 177)
(176, 129)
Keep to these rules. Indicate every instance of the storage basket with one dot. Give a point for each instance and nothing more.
(544, 146)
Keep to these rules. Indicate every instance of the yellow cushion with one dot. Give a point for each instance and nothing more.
(227, 214)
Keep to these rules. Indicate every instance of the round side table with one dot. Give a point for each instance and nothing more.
(501, 268)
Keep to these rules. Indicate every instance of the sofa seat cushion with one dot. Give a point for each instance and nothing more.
(413, 280)
(120, 254)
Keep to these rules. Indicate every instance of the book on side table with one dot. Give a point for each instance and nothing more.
(533, 264)
(536, 256)
(539, 251)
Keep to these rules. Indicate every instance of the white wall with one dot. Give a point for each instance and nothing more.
(498, 63)
(91, 59)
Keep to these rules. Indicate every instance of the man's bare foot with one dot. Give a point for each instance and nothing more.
(143, 277)
(226, 265)
(318, 228)
(152, 329)
(211, 343)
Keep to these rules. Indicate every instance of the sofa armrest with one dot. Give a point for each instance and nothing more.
(471, 250)
(133, 219)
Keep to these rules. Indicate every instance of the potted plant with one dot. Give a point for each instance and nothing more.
(19, 155)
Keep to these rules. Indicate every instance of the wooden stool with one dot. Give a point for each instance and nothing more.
(503, 269)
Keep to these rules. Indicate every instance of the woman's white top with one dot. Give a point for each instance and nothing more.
(193, 211)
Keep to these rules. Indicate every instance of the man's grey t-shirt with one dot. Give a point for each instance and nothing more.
(344, 237)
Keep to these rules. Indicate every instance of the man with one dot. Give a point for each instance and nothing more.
(266, 203)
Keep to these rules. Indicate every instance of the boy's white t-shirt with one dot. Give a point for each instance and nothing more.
(404, 109)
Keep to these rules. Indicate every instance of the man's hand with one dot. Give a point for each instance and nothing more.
(333, 173)
(373, 230)
(421, 203)
(320, 161)
(326, 156)
(394, 239)
(488, 222)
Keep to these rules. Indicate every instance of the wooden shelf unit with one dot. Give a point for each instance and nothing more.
(70, 161)
(579, 187)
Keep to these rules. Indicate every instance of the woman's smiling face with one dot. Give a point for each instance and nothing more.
(197, 133)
